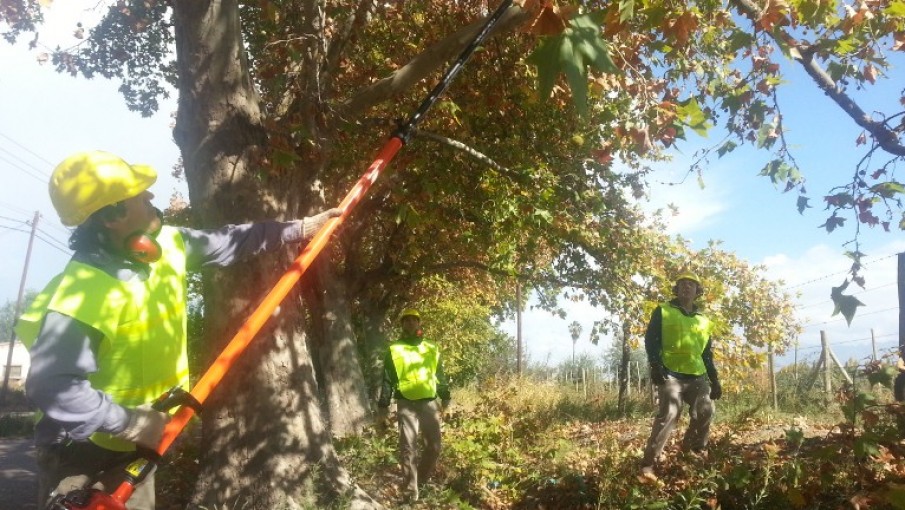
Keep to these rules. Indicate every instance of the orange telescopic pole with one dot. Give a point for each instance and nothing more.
(203, 388)
(259, 317)
(271, 301)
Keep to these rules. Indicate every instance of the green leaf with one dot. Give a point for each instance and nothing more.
(865, 446)
(885, 376)
(740, 39)
(626, 10)
(845, 304)
(845, 46)
(832, 222)
(546, 58)
(802, 204)
(888, 189)
(570, 53)
(766, 136)
(895, 9)
(813, 12)
(726, 148)
(690, 114)
(780, 172)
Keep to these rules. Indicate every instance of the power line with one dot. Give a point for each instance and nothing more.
(53, 240)
(811, 347)
(859, 293)
(26, 149)
(26, 163)
(843, 318)
(31, 174)
(824, 277)
(53, 244)
(48, 234)
(12, 207)
(24, 222)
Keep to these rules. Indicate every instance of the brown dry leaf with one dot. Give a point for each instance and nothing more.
(860, 501)
(774, 13)
(550, 20)
(862, 139)
(870, 73)
(685, 25)
(898, 41)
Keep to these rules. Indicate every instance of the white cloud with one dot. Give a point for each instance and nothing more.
(697, 208)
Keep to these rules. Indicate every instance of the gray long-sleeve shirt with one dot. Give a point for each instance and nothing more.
(64, 353)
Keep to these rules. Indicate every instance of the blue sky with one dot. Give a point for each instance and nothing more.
(46, 116)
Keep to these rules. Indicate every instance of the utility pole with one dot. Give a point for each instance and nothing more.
(12, 331)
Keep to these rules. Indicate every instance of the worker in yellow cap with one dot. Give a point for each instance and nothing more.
(414, 376)
(108, 334)
(680, 354)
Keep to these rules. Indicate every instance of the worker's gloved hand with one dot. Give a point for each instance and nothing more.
(716, 391)
(145, 426)
(312, 224)
(657, 374)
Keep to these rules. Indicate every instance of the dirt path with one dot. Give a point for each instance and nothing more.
(18, 475)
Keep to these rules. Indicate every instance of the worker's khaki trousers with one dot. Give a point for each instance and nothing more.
(64, 468)
(673, 393)
(418, 418)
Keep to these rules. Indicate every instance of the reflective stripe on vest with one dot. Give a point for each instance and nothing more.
(684, 339)
(143, 350)
(416, 369)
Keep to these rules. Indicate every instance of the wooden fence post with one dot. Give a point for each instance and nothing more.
(770, 367)
(795, 365)
(827, 369)
(873, 345)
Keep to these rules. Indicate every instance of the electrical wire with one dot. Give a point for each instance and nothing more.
(26, 149)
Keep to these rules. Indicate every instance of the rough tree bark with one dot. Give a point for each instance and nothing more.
(265, 440)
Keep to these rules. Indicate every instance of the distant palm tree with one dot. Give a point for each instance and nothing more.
(575, 331)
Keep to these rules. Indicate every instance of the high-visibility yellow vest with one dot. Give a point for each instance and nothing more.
(143, 350)
(416, 368)
(683, 340)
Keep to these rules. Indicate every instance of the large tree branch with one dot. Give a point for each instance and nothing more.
(341, 41)
(804, 55)
(472, 152)
(425, 63)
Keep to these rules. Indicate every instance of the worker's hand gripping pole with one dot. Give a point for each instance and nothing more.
(259, 317)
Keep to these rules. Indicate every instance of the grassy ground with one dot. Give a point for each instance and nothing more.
(534, 445)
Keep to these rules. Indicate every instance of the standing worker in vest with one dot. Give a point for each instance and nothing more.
(413, 374)
(108, 334)
(680, 354)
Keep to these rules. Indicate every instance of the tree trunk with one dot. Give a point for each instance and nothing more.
(623, 370)
(339, 370)
(374, 344)
(264, 438)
